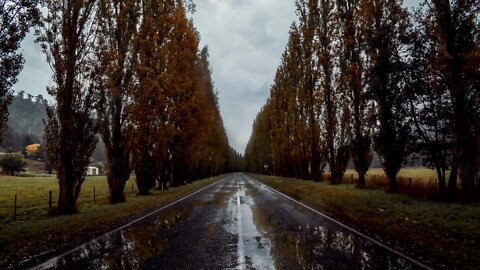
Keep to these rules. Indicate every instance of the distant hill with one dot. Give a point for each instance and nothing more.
(25, 122)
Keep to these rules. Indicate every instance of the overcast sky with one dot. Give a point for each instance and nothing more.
(245, 38)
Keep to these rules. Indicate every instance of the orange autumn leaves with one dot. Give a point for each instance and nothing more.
(32, 149)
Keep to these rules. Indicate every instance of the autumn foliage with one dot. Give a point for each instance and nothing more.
(133, 72)
(358, 76)
(32, 149)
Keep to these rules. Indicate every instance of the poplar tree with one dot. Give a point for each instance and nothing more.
(118, 22)
(258, 151)
(185, 94)
(429, 108)
(334, 114)
(352, 70)
(150, 108)
(67, 35)
(454, 32)
(385, 24)
(308, 20)
(210, 143)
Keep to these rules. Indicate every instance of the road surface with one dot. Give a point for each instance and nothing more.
(237, 223)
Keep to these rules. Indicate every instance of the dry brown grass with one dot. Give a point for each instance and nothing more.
(418, 182)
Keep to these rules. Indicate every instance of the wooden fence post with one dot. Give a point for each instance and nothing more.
(94, 194)
(50, 199)
(15, 206)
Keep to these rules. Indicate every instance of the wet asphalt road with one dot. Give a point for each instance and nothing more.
(237, 223)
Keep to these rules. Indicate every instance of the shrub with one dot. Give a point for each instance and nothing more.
(12, 163)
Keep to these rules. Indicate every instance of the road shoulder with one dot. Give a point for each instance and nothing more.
(414, 227)
(42, 239)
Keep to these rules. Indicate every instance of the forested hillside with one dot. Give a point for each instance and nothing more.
(25, 122)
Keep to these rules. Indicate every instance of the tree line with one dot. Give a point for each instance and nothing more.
(359, 76)
(132, 72)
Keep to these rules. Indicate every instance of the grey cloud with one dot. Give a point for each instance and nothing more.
(36, 73)
(246, 40)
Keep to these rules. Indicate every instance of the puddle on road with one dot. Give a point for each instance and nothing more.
(124, 249)
(152, 241)
(249, 228)
(253, 249)
(321, 246)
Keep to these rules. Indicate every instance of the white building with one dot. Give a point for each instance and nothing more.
(91, 170)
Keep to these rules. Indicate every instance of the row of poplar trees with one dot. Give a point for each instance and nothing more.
(364, 75)
(132, 72)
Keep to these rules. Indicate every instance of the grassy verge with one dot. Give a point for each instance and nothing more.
(32, 232)
(418, 182)
(443, 235)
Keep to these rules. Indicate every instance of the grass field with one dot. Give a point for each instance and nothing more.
(32, 231)
(444, 235)
(33, 196)
(418, 182)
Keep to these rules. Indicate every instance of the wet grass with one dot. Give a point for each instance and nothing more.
(444, 235)
(33, 197)
(32, 231)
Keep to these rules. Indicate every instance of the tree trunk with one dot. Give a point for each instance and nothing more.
(452, 183)
(333, 169)
(118, 171)
(392, 183)
(468, 179)
(117, 187)
(441, 181)
(145, 172)
(361, 179)
(66, 200)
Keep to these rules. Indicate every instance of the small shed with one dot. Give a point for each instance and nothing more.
(92, 170)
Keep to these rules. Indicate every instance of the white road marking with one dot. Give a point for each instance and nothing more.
(240, 246)
(400, 254)
(51, 262)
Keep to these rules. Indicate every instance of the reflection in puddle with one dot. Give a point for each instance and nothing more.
(253, 249)
(239, 225)
(123, 249)
(320, 246)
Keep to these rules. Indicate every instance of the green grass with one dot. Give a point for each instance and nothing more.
(33, 196)
(444, 235)
(32, 231)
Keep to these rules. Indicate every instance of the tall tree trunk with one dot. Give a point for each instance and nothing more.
(452, 183)
(361, 179)
(116, 183)
(451, 30)
(66, 199)
(118, 155)
(144, 171)
(117, 177)
(392, 182)
(116, 190)
(441, 181)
